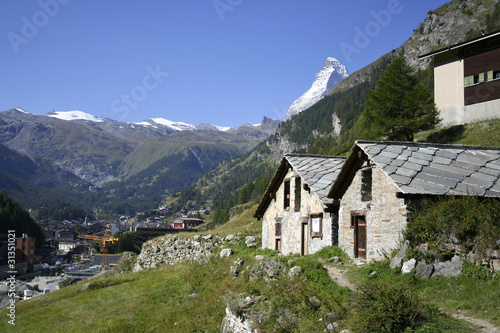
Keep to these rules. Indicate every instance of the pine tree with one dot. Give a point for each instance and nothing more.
(400, 105)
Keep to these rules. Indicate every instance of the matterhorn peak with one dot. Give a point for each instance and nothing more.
(333, 71)
(331, 62)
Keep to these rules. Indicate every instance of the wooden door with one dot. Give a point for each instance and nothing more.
(303, 239)
(360, 236)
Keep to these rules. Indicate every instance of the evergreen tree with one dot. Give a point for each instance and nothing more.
(246, 193)
(400, 105)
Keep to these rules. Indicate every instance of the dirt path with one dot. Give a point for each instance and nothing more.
(484, 326)
(338, 275)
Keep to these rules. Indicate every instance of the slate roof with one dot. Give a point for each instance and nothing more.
(435, 169)
(317, 171)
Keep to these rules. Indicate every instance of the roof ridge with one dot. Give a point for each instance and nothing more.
(441, 145)
(312, 155)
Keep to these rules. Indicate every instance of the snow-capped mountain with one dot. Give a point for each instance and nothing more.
(156, 123)
(21, 110)
(333, 71)
(176, 126)
(74, 115)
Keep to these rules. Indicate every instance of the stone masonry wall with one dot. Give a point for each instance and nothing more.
(291, 221)
(172, 249)
(385, 216)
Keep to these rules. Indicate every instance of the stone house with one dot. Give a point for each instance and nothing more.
(297, 217)
(379, 180)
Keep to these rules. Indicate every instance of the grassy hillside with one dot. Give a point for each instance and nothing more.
(192, 297)
(481, 133)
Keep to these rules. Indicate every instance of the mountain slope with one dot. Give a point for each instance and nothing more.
(35, 183)
(154, 149)
(152, 158)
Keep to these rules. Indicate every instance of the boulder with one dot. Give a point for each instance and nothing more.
(423, 248)
(495, 265)
(408, 266)
(335, 259)
(226, 252)
(251, 241)
(424, 271)
(398, 259)
(294, 271)
(449, 268)
(271, 269)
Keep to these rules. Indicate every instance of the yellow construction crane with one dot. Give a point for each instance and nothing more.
(105, 239)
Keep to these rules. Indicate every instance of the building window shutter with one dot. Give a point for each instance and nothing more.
(469, 81)
(481, 77)
(490, 75)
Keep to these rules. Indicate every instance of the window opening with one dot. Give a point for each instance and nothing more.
(298, 190)
(366, 185)
(493, 75)
(286, 203)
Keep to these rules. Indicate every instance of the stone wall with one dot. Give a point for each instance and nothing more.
(385, 216)
(172, 249)
(291, 221)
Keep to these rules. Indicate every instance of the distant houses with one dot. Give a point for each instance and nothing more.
(365, 209)
(186, 222)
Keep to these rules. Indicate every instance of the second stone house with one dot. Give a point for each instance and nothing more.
(297, 217)
(379, 180)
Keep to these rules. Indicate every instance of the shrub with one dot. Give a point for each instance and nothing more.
(330, 251)
(235, 302)
(126, 262)
(473, 222)
(476, 271)
(381, 307)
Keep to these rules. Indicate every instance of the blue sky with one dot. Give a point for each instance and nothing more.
(226, 62)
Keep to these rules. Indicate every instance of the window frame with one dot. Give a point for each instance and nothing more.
(316, 232)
